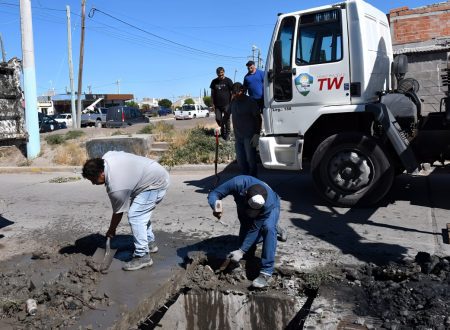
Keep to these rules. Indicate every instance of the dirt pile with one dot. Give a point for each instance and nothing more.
(62, 294)
(414, 295)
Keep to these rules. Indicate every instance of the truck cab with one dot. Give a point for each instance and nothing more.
(330, 100)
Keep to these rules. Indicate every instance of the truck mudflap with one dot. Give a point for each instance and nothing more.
(281, 153)
(393, 131)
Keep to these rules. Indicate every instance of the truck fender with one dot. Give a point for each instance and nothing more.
(393, 131)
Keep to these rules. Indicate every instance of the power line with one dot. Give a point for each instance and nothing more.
(93, 10)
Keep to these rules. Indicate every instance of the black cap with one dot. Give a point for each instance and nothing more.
(249, 63)
(256, 197)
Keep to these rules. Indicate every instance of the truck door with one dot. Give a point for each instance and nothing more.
(310, 66)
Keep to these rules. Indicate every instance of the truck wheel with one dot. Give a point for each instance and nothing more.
(351, 169)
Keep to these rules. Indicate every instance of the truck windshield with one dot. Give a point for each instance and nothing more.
(319, 38)
(188, 107)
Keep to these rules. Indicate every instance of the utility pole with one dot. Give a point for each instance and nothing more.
(3, 49)
(235, 71)
(72, 88)
(29, 80)
(118, 86)
(80, 68)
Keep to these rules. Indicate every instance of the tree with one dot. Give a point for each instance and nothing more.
(165, 103)
(145, 107)
(132, 104)
(207, 100)
(189, 101)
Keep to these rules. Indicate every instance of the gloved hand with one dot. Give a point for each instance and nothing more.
(255, 140)
(236, 255)
(218, 209)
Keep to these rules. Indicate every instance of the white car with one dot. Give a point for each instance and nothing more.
(191, 111)
(64, 118)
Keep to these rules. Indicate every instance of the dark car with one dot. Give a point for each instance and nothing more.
(120, 116)
(164, 111)
(48, 124)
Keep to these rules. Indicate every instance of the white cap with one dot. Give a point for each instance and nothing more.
(256, 202)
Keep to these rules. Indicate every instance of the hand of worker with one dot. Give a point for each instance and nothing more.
(236, 255)
(255, 140)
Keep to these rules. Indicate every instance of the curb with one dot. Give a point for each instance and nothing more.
(77, 169)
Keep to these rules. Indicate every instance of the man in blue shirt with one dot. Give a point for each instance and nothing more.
(254, 83)
(258, 210)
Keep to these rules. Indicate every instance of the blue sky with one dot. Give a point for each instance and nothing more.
(161, 49)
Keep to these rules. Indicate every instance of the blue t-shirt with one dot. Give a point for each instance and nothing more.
(255, 84)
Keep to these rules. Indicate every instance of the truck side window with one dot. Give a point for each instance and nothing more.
(319, 38)
(282, 85)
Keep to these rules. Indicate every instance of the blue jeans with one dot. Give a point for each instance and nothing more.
(267, 234)
(246, 156)
(139, 216)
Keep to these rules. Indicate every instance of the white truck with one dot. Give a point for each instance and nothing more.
(191, 111)
(336, 98)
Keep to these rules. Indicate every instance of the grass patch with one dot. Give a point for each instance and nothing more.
(61, 179)
(119, 132)
(70, 154)
(196, 146)
(56, 139)
(161, 130)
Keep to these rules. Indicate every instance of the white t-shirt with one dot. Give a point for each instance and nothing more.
(127, 175)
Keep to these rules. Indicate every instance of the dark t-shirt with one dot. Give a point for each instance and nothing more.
(221, 91)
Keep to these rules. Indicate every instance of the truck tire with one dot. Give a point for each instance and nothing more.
(351, 169)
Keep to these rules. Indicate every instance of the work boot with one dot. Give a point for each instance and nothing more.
(262, 281)
(281, 234)
(138, 262)
(152, 247)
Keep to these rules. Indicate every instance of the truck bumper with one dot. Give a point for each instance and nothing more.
(281, 152)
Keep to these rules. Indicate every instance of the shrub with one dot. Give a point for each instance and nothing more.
(60, 139)
(55, 139)
(148, 129)
(73, 135)
(70, 154)
(119, 132)
(199, 148)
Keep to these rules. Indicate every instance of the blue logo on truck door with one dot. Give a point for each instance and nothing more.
(303, 83)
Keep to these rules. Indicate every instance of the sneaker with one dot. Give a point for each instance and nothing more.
(281, 234)
(262, 281)
(138, 263)
(152, 247)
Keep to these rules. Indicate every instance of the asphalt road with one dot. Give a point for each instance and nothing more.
(35, 212)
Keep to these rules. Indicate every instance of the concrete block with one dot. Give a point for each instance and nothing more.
(139, 144)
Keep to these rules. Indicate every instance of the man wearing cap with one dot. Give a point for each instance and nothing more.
(258, 210)
(247, 122)
(254, 83)
(221, 97)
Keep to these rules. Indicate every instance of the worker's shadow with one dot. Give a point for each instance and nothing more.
(210, 182)
(5, 222)
(89, 244)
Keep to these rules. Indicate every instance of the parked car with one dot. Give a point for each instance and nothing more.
(190, 111)
(164, 111)
(48, 124)
(120, 116)
(64, 118)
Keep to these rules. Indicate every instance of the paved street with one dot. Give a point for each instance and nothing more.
(36, 212)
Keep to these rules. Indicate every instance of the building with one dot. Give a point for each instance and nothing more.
(423, 34)
(62, 102)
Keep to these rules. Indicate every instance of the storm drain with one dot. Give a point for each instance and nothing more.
(213, 309)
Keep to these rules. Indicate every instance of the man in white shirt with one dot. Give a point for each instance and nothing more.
(135, 185)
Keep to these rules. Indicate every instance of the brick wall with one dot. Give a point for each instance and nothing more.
(420, 24)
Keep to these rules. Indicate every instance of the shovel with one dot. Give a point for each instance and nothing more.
(103, 257)
(224, 266)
